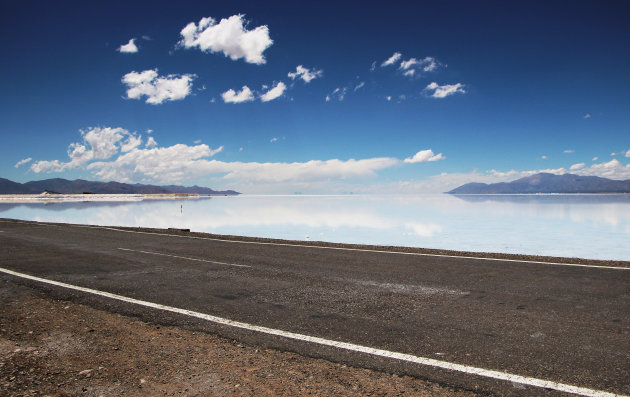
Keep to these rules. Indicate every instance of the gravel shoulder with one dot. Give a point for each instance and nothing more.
(60, 348)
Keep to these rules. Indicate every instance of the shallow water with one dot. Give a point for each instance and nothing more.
(588, 226)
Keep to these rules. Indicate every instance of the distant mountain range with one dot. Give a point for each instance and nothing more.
(80, 186)
(548, 183)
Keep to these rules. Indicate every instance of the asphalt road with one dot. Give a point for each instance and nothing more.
(566, 324)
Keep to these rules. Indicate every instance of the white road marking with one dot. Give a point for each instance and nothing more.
(524, 380)
(336, 248)
(184, 257)
(365, 250)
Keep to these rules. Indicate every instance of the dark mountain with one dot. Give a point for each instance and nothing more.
(548, 183)
(79, 186)
(10, 187)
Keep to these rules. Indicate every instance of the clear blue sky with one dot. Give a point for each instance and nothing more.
(482, 91)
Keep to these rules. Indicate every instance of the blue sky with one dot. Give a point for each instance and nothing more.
(155, 92)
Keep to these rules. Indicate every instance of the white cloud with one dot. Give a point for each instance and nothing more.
(543, 157)
(392, 60)
(577, 166)
(274, 139)
(181, 162)
(388, 98)
(97, 144)
(149, 131)
(100, 152)
(305, 74)
(230, 36)
(128, 48)
(131, 143)
(244, 95)
(408, 64)
(413, 65)
(309, 170)
(613, 169)
(568, 151)
(587, 116)
(157, 89)
(595, 158)
(359, 86)
(423, 156)
(275, 92)
(338, 93)
(22, 162)
(373, 67)
(628, 153)
(151, 142)
(442, 91)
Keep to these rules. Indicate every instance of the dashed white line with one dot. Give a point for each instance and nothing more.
(478, 258)
(524, 380)
(184, 257)
(364, 250)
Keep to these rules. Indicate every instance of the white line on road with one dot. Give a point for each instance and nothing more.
(365, 250)
(184, 257)
(478, 258)
(525, 380)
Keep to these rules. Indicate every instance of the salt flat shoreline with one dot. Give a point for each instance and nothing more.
(358, 247)
(94, 197)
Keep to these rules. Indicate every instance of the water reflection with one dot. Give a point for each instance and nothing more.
(592, 226)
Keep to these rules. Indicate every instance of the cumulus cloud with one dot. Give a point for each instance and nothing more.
(543, 157)
(628, 153)
(128, 48)
(244, 95)
(101, 152)
(595, 158)
(612, 169)
(230, 36)
(442, 91)
(338, 93)
(587, 116)
(577, 166)
(305, 74)
(157, 89)
(96, 144)
(423, 156)
(275, 92)
(274, 139)
(22, 162)
(392, 60)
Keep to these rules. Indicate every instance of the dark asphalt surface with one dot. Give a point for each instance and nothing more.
(565, 324)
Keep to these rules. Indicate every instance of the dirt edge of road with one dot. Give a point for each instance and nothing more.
(57, 347)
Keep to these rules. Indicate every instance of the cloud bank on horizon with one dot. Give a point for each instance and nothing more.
(343, 117)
